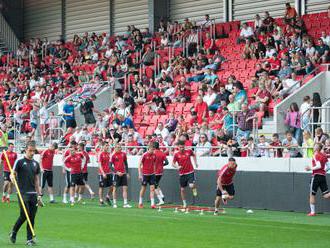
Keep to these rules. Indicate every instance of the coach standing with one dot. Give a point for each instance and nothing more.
(27, 170)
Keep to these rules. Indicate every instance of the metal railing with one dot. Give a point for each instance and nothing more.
(56, 132)
(325, 122)
(8, 35)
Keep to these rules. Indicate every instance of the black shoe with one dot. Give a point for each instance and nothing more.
(102, 204)
(52, 202)
(12, 237)
(31, 242)
(107, 199)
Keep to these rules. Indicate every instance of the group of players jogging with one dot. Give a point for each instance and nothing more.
(113, 173)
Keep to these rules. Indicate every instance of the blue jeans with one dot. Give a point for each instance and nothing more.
(242, 134)
(298, 135)
(214, 107)
(196, 78)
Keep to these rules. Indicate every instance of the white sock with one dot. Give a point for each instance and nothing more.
(90, 190)
(152, 201)
(65, 197)
(160, 193)
(160, 199)
(184, 203)
(72, 199)
(114, 201)
(125, 201)
(312, 208)
(51, 197)
(75, 195)
(80, 197)
(140, 200)
(4, 193)
(8, 196)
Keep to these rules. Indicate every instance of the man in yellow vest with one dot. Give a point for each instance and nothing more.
(3, 137)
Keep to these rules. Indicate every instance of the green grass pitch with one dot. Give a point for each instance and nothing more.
(89, 225)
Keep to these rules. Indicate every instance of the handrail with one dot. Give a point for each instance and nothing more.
(8, 35)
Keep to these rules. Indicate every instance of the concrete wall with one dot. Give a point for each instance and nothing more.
(274, 184)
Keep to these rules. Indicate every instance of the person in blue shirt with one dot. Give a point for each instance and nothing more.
(68, 114)
(240, 95)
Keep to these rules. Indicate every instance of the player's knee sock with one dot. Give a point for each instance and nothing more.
(51, 197)
(65, 197)
(152, 201)
(160, 199)
(140, 200)
(184, 203)
(115, 201)
(8, 196)
(125, 201)
(79, 197)
(72, 199)
(312, 206)
(161, 193)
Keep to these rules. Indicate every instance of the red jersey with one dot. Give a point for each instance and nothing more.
(87, 160)
(184, 160)
(148, 163)
(12, 156)
(322, 159)
(104, 160)
(75, 162)
(160, 158)
(227, 174)
(47, 159)
(67, 153)
(118, 159)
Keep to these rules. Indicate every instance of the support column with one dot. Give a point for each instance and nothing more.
(157, 10)
(230, 10)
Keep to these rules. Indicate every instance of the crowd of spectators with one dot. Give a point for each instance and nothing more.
(222, 114)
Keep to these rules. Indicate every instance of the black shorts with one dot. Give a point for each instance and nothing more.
(85, 177)
(120, 181)
(77, 179)
(46, 176)
(71, 123)
(229, 188)
(157, 180)
(67, 179)
(319, 181)
(148, 179)
(6, 176)
(187, 179)
(105, 182)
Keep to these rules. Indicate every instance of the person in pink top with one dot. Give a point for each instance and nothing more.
(292, 120)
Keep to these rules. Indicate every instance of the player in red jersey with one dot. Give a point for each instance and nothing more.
(225, 185)
(66, 171)
(76, 160)
(161, 161)
(318, 177)
(147, 171)
(120, 167)
(82, 150)
(182, 161)
(46, 166)
(7, 184)
(105, 174)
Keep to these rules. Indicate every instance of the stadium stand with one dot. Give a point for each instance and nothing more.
(179, 83)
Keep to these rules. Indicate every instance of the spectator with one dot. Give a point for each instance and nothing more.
(262, 98)
(307, 145)
(290, 85)
(34, 114)
(305, 113)
(201, 109)
(290, 14)
(132, 144)
(320, 136)
(209, 44)
(171, 123)
(227, 121)
(157, 104)
(44, 121)
(292, 120)
(274, 151)
(263, 146)
(322, 52)
(316, 104)
(245, 119)
(182, 91)
(291, 145)
(285, 71)
(246, 33)
(326, 148)
(203, 147)
(325, 38)
(249, 51)
(148, 57)
(68, 114)
(162, 130)
(257, 23)
(87, 109)
(210, 96)
(192, 41)
(267, 23)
